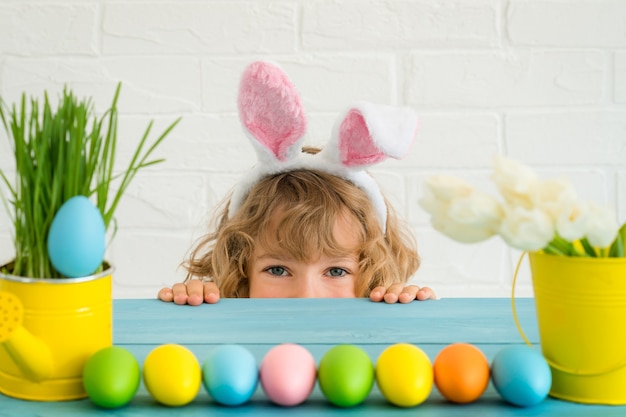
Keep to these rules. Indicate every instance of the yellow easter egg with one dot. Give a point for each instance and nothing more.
(404, 375)
(172, 375)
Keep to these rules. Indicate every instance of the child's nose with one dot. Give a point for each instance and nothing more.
(306, 292)
(307, 289)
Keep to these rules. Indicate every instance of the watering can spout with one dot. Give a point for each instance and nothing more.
(31, 355)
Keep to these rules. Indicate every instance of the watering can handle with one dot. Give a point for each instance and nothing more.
(550, 362)
(515, 318)
(32, 356)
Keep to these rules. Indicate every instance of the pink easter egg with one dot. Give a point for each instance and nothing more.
(288, 374)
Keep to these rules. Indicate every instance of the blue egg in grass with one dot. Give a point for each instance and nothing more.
(76, 240)
(230, 374)
(521, 376)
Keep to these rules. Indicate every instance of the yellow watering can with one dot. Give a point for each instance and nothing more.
(31, 355)
(48, 329)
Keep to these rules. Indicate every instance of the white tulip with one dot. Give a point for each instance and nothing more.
(517, 183)
(465, 233)
(602, 228)
(526, 229)
(470, 219)
(573, 221)
(439, 190)
(554, 196)
(447, 187)
(432, 204)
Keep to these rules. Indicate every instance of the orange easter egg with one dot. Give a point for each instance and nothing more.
(461, 373)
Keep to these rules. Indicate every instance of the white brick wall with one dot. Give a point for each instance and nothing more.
(542, 81)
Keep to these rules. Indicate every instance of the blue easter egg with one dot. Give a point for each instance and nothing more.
(76, 240)
(521, 376)
(230, 375)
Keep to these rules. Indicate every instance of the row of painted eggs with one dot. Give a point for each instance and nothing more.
(346, 375)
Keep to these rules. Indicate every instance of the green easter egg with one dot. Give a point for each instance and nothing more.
(111, 377)
(346, 375)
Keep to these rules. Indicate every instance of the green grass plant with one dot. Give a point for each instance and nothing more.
(60, 153)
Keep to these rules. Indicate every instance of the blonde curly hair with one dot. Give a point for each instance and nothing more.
(310, 202)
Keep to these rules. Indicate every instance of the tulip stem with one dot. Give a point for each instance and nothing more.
(588, 248)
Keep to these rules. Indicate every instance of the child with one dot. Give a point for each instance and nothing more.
(310, 224)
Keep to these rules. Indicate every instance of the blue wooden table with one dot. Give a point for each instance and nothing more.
(317, 324)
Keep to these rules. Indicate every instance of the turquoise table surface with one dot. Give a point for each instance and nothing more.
(317, 324)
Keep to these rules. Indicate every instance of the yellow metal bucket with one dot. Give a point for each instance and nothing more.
(51, 327)
(581, 312)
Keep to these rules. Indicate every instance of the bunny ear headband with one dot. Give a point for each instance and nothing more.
(273, 119)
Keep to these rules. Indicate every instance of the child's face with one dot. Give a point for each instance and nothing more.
(273, 274)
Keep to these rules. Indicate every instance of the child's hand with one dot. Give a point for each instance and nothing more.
(399, 293)
(194, 292)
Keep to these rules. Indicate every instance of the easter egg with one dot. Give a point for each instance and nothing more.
(172, 375)
(404, 375)
(461, 373)
(76, 240)
(111, 377)
(288, 374)
(230, 374)
(521, 376)
(346, 375)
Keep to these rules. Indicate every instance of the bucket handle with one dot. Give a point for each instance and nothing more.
(550, 362)
(520, 330)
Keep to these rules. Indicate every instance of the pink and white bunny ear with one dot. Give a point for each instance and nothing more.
(271, 112)
(366, 135)
(369, 133)
(273, 118)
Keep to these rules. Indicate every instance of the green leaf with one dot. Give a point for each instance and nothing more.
(617, 247)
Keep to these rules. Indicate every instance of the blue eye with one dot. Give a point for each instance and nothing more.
(277, 270)
(337, 272)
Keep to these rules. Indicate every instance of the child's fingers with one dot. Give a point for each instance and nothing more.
(195, 292)
(426, 293)
(211, 293)
(377, 294)
(409, 293)
(391, 296)
(166, 294)
(179, 292)
(401, 293)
